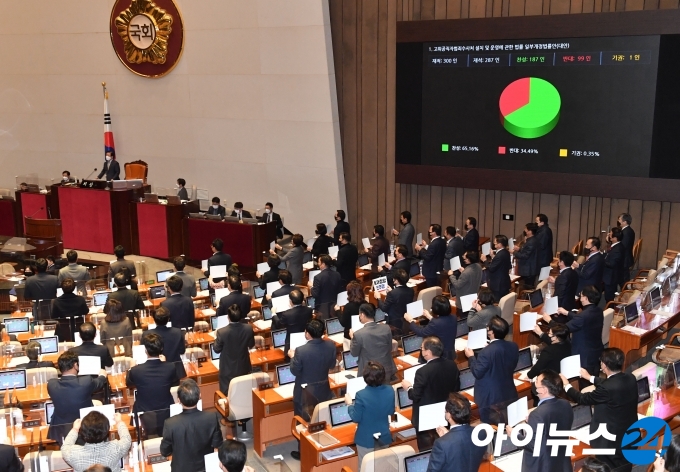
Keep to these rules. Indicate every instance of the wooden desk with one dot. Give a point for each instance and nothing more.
(578, 455)
(272, 417)
(526, 338)
(159, 229)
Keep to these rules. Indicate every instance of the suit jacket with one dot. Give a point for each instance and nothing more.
(233, 341)
(404, 264)
(130, 299)
(181, 310)
(499, 273)
(406, 235)
(244, 214)
(551, 411)
(234, 298)
(346, 262)
(70, 393)
(272, 275)
(9, 461)
(275, 217)
(565, 288)
(586, 334)
(493, 368)
(284, 291)
(153, 380)
(112, 332)
(471, 240)
(327, 285)
(454, 247)
(183, 194)
(380, 246)
(321, 245)
(69, 304)
(615, 403)
(36, 365)
(480, 319)
(346, 314)
(545, 246)
(188, 283)
(118, 265)
(373, 342)
(433, 383)
(627, 241)
(217, 259)
(74, 271)
(310, 366)
(614, 265)
(340, 227)
(527, 258)
(111, 169)
(550, 357)
(89, 348)
(188, 437)
(590, 272)
(433, 257)
(370, 410)
(41, 287)
(444, 327)
(294, 320)
(455, 452)
(395, 304)
(293, 259)
(219, 211)
(466, 284)
(173, 342)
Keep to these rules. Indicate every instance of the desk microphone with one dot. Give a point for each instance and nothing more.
(36, 211)
(87, 178)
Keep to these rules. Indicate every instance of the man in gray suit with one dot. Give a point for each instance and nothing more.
(406, 235)
(121, 263)
(454, 245)
(469, 280)
(373, 342)
(74, 271)
(188, 281)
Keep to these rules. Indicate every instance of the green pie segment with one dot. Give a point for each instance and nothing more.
(530, 107)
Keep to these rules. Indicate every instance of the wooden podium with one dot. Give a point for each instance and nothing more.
(39, 228)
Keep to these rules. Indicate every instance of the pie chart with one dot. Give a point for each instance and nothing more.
(530, 107)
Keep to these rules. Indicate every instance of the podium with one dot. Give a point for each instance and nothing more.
(32, 204)
(43, 228)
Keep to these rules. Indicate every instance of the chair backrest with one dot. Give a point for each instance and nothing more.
(384, 459)
(5, 192)
(427, 295)
(123, 364)
(507, 306)
(136, 170)
(40, 375)
(54, 460)
(662, 263)
(642, 371)
(607, 325)
(240, 396)
(6, 268)
(201, 326)
(577, 248)
(66, 345)
(651, 277)
(194, 352)
(637, 248)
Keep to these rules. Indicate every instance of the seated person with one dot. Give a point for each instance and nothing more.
(88, 332)
(66, 178)
(239, 212)
(232, 455)
(216, 208)
(116, 330)
(33, 350)
(483, 309)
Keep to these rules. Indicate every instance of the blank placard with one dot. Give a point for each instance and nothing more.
(354, 385)
(415, 309)
(312, 274)
(219, 271)
(545, 273)
(477, 339)
(518, 411)
(486, 249)
(431, 416)
(297, 340)
(89, 365)
(570, 366)
(356, 324)
(381, 260)
(410, 373)
(527, 321)
(455, 263)
(281, 304)
(366, 242)
(466, 302)
(342, 298)
(550, 306)
(262, 267)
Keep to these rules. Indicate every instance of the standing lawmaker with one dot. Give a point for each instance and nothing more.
(627, 241)
(499, 267)
(407, 233)
(432, 255)
(111, 167)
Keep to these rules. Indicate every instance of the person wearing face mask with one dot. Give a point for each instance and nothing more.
(111, 167)
(270, 216)
(181, 190)
(471, 239)
(592, 270)
(240, 212)
(499, 267)
(341, 226)
(66, 178)
(216, 208)
(432, 255)
(380, 245)
(322, 241)
(527, 257)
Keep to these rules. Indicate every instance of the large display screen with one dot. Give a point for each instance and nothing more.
(597, 105)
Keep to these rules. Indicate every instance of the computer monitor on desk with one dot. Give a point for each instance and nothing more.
(197, 216)
(250, 221)
(231, 219)
(213, 217)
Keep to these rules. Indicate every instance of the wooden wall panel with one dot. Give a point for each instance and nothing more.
(364, 46)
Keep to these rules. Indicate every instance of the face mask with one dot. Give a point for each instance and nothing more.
(64, 178)
(586, 250)
(108, 158)
(216, 207)
(267, 211)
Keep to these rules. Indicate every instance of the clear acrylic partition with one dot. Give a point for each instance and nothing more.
(30, 179)
(314, 408)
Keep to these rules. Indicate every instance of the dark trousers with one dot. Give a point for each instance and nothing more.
(610, 291)
(432, 281)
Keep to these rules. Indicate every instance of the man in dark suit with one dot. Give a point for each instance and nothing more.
(153, 380)
(294, 319)
(181, 189)
(71, 306)
(52, 267)
(70, 393)
(557, 348)
(9, 461)
(218, 258)
(233, 341)
(188, 280)
(111, 167)
(33, 351)
(401, 262)
(181, 308)
(128, 298)
(544, 239)
(551, 410)
(120, 264)
(566, 283)
(239, 212)
(591, 271)
(527, 257)
(395, 302)
(586, 329)
(615, 404)
(493, 368)
(217, 209)
(373, 342)
(454, 246)
(341, 226)
(380, 245)
(88, 348)
(192, 434)
(498, 279)
(346, 262)
(41, 286)
(432, 384)
(272, 275)
(471, 239)
(173, 338)
(325, 287)
(235, 297)
(270, 216)
(627, 241)
(613, 273)
(310, 364)
(286, 282)
(454, 451)
(432, 255)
